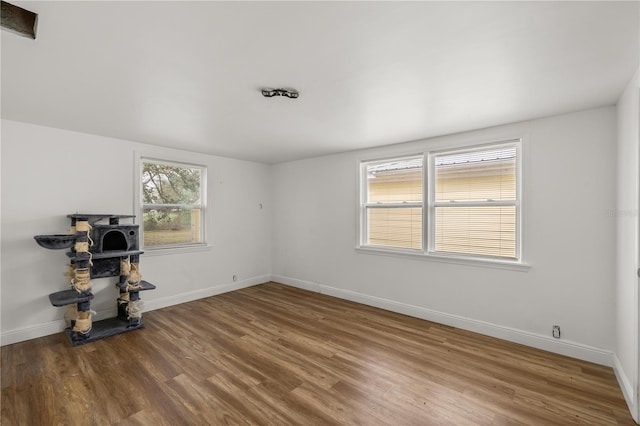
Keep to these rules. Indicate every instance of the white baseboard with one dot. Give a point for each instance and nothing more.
(57, 326)
(562, 347)
(31, 332)
(202, 293)
(627, 388)
(45, 329)
(572, 349)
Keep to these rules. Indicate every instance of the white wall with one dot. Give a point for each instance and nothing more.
(626, 362)
(308, 226)
(569, 241)
(48, 173)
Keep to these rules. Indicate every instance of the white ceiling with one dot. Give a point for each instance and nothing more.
(187, 74)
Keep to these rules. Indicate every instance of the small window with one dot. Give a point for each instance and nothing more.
(392, 205)
(474, 202)
(173, 204)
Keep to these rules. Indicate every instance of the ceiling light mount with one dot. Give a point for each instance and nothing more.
(289, 93)
(18, 20)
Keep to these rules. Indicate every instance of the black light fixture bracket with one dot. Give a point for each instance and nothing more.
(269, 93)
(18, 20)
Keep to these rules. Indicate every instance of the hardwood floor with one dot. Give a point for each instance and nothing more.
(275, 355)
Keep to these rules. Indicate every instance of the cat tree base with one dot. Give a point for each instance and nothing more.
(102, 329)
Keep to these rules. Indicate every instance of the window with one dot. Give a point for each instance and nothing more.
(472, 207)
(474, 202)
(173, 203)
(393, 203)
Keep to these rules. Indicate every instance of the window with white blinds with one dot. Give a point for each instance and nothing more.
(472, 208)
(474, 202)
(392, 204)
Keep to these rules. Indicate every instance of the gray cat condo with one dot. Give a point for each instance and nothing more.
(99, 247)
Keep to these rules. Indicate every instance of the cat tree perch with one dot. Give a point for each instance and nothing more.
(99, 250)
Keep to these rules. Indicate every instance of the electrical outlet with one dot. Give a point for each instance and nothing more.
(556, 331)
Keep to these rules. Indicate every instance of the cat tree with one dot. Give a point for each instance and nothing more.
(99, 250)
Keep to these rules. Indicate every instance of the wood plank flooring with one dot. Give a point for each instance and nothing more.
(275, 355)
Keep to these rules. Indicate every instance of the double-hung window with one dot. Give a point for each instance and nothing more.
(172, 203)
(474, 202)
(392, 203)
(462, 203)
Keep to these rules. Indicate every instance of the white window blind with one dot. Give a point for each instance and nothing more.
(471, 209)
(392, 205)
(475, 202)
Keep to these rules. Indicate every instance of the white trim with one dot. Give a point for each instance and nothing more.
(31, 332)
(428, 205)
(562, 347)
(405, 205)
(46, 329)
(57, 326)
(164, 250)
(493, 263)
(203, 293)
(151, 156)
(161, 206)
(572, 349)
(626, 387)
(363, 201)
(431, 202)
(488, 203)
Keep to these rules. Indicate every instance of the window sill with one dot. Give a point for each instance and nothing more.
(459, 260)
(161, 251)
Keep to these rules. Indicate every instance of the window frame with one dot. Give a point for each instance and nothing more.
(428, 210)
(433, 204)
(141, 205)
(365, 205)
